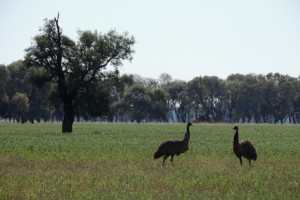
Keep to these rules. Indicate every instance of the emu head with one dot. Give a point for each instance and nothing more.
(189, 124)
(236, 128)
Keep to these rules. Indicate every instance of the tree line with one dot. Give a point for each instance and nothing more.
(271, 98)
(65, 80)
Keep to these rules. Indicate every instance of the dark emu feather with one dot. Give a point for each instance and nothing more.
(243, 148)
(172, 148)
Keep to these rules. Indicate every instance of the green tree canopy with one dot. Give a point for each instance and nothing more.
(20, 106)
(4, 78)
(77, 67)
(137, 100)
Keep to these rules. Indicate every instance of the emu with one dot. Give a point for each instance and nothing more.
(243, 148)
(172, 148)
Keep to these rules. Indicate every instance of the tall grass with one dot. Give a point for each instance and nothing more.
(115, 161)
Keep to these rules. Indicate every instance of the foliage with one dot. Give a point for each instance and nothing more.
(21, 81)
(93, 102)
(159, 105)
(208, 93)
(178, 100)
(105, 161)
(117, 89)
(20, 106)
(77, 67)
(137, 100)
(4, 78)
(271, 98)
(67, 78)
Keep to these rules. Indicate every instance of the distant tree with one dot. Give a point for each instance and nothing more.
(178, 100)
(208, 95)
(247, 99)
(263, 98)
(22, 81)
(279, 96)
(233, 88)
(118, 87)
(261, 110)
(76, 67)
(159, 105)
(4, 78)
(164, 79)
(296, 102)
(147, 82)
(20, 106)
(137, 101)
(18, 81)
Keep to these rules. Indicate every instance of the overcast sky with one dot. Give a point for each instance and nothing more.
(184, 38)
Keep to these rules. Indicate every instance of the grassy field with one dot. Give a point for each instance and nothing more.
(115, 161)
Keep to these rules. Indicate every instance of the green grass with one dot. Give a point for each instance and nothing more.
(115, 161)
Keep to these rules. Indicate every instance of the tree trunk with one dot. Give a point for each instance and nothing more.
(67, 100)
(68, 116)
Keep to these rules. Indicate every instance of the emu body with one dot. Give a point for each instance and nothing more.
(243, 148)
(172, 148)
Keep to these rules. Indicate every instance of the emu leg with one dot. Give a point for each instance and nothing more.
(172, 156)
(249, 162)
(241, 161)
(166, 156)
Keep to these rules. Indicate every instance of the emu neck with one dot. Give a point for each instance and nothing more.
(236, 137)
(187, 135)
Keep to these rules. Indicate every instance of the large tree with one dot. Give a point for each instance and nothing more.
(77, 67)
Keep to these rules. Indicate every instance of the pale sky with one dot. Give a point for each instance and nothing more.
(184, 38)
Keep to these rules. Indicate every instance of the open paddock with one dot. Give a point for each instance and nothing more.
(115, 161)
